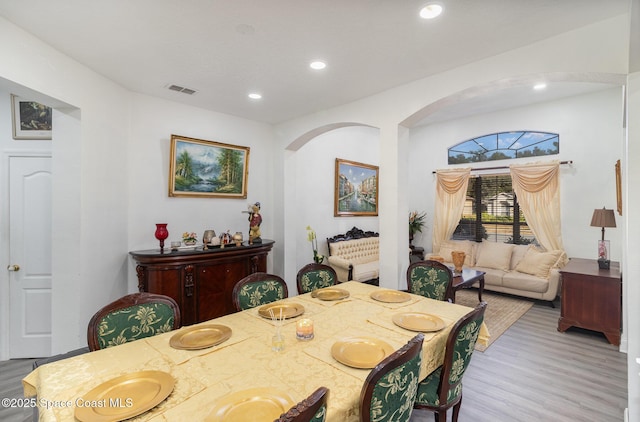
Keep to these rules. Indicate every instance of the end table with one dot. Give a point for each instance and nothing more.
(591, 298)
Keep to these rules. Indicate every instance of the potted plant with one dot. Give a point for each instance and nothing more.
(311, 236)
(416, 223)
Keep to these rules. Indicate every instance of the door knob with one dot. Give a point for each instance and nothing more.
(13, 267)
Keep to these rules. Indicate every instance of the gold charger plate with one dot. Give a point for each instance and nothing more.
(124, 397)
(361, 352)
(330, 293)
(255, 404)
(390, 296)
(418, 321)
(200, 337)
(289, 310)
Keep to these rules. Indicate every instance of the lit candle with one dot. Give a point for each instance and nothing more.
(304, 329)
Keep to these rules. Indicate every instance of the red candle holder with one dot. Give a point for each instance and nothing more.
(161, 234)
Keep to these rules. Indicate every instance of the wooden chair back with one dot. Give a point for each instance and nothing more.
(430, 279)
(258, 289)
(390, 389)
(315, 276)
(132, 317)
(311, 409)
(443, 388)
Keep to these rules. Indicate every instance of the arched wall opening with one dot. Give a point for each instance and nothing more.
(310, 183)
(584, 108)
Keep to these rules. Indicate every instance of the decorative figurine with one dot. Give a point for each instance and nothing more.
(255, 219)
(225, 239)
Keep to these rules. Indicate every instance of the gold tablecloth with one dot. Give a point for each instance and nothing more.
(247, 361)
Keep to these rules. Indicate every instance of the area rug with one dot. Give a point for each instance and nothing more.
(502, 311)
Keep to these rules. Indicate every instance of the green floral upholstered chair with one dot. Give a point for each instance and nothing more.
(258, 289)
(390, 389)
(311, 409)
(430, 279)
(132, 317)
(315, 276)
(442, 389)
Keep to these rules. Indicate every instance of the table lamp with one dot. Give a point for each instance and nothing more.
(603, 218)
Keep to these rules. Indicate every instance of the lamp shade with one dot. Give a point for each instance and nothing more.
(603, 218)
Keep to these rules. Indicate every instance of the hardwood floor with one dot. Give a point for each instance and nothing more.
(11, 374)
(535, 373)
(531, 373)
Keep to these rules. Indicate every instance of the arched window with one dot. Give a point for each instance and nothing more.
(505, 145)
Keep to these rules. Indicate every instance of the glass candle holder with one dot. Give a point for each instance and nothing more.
(304, 329)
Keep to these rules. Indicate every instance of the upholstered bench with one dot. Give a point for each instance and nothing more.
(355, 256)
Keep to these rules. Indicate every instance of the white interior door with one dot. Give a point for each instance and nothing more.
(30, 256)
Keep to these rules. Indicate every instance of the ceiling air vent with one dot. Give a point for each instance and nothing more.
(182, 89)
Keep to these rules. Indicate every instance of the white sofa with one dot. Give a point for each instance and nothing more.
(355, 256)
(522, 270)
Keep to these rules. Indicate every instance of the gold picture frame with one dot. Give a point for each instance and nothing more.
(207, 169)
(619, 187)
(356, 189)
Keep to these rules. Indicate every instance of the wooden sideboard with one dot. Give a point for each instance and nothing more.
(591, 298)
(201, 281)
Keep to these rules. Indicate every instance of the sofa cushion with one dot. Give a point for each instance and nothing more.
(492, 277)
(494, 255)
(365, 271)
(465, 246)
(538, 263)
(525, 282)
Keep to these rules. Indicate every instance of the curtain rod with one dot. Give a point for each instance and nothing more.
(504, 167)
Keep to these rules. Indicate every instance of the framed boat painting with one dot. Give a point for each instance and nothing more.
(207, 169)
(356, 189)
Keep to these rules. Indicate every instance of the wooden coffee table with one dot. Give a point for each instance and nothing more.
(466, 279)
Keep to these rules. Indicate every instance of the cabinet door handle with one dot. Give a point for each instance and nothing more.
(14, 267)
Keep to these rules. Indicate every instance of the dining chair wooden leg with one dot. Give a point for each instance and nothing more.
(456, 410)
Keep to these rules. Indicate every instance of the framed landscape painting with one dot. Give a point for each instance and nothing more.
(31, 120)
(200, 168)
(356, 189)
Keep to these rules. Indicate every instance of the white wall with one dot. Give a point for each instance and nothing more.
(314, 183)
(591, 134)
(153, 121)
(89, 188)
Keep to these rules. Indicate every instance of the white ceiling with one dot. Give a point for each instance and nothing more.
(226, 49)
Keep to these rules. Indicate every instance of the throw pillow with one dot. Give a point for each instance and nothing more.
(538, 263)
(494, 255)
(449, 246)
(518, 253)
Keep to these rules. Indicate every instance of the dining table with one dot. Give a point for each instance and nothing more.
(206, 383)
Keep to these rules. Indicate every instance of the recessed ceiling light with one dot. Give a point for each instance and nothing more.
(540, 86)
(430, 11)
(317, 65)
(255, 96)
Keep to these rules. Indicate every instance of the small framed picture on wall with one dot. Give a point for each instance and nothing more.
(31, 120)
